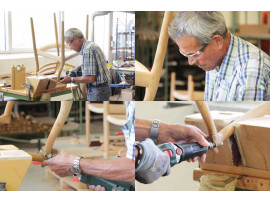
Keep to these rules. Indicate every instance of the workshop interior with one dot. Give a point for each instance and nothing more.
(174, 78)
(40, 117)
(34, 55)
(242, 161)
(31, 132)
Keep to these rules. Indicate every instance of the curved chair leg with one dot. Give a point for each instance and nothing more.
(5, 118)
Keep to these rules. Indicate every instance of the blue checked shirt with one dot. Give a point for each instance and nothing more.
(129, 129)
(94, 63)
(243, 75)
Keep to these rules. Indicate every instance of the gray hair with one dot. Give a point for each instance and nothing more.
(70, 33)
(202, 25)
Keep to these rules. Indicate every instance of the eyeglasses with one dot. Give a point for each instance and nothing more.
(71, 42)
(195, 55)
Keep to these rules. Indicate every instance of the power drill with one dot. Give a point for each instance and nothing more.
(109, 185)
(182, 152)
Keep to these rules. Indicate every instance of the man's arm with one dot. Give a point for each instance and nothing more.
(169, 132)
(119, 169)
(81, 79)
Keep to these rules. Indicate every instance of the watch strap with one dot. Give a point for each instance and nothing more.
(154, 130)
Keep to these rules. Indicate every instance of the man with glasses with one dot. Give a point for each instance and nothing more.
(94, 69)
(235, 69)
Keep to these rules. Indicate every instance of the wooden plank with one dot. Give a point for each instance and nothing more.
(243, 182)
(253, 137)
(13, 167)
(58, 89)
(238, 170)
(17, 77)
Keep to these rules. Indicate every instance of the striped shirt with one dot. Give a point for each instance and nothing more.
(94, 63)
(243, 75)
(129, 129)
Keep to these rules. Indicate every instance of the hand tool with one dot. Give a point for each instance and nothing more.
(109, 185)
(3, 186)
(182, 152)
(29, 89)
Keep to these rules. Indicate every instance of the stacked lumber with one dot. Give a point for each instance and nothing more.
(22, 123)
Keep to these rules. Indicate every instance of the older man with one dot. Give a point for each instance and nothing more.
(94, 68)
(235, 69)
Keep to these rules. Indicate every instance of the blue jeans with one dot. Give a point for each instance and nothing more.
(101, 93)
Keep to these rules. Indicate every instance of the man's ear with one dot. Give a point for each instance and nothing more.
(218, 41)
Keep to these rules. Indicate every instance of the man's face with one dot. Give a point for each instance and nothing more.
(208, 59)
(74, 44)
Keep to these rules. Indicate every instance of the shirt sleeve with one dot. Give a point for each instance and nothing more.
(90, 62)
(129, 130)
(254, 79)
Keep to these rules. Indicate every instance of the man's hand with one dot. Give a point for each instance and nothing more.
(154, 163)
(183, 133)
(66, 79)
(96, 188)
(61, 164)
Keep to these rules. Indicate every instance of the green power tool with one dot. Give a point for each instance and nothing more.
(109, 185)
(182, 152)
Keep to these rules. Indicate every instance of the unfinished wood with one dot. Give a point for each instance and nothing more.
(5, 118)
(8, 147)
(243, 182)
(172, 86)
(13, 167)
(226, 132)
(59, 88)
(62, 62)
(152, 84)
(64, 183)
(207, 118)
(58, 125)
(189, 94)
(117, 119)
(253, 138)
(34, 45)
(99, 108)
(142, 75)
(17, 77)
(221, 119)
(38, 83)
(239, 170)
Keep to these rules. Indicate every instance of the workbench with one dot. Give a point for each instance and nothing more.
(23, 94)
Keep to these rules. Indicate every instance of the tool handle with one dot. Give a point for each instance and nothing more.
(109, 185)
(191, 150)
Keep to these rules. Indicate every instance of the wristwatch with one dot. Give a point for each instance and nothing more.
(72, 79)
(76, 166)
(154, 130)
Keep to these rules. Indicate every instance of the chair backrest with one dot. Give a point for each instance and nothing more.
(60, 59)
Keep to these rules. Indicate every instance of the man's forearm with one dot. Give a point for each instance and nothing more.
(119, 169)
(85, 79)
(143, 126)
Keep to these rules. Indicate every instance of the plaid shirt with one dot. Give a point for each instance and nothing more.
(129, 129)
(94, 63)
(243, 75)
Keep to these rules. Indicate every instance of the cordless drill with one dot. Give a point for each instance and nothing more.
(182, 152)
